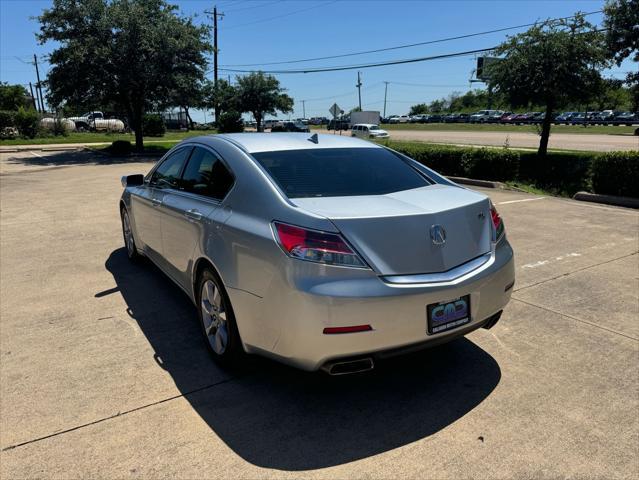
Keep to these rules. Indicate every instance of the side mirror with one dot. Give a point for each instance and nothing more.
(132, 180)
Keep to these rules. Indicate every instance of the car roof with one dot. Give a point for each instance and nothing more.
(269, 142)
(365, 124)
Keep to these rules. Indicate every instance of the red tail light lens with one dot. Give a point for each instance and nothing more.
(498, 223)
(316, 246)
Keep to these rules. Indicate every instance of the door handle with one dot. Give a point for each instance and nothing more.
(155, 202)
(193, 215)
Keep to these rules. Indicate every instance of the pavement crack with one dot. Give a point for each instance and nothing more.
(580, 320)
(574, 271)
(118, 414)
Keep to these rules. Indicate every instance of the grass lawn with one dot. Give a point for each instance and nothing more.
(464, 127)
(92, 137)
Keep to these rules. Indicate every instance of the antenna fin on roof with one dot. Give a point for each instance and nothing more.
(314, 138)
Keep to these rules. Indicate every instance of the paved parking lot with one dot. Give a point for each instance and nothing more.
(104, 373)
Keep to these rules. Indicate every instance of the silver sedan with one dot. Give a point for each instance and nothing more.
(319, 251)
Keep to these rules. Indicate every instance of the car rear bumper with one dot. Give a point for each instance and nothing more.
(304, 302)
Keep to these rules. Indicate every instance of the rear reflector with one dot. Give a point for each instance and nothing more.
(351, 329)
(498, 223)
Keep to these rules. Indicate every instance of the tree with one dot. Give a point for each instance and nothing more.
(622, 38)
(551, 64)
(437, 106)
(134, 53)
(261, 94)
(224, 96)
(13, 97)
(419, 109)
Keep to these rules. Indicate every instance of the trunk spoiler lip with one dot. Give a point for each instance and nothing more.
(450, 277)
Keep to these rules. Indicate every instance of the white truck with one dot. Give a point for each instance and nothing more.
(96, 121)
(366, 117)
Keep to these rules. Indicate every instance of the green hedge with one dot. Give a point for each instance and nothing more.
(153, 125)
(616, 173)
(564, 173)
(7, 119)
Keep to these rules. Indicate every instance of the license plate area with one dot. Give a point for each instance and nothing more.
(448, 315)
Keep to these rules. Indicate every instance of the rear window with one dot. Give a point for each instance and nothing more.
(337, 172)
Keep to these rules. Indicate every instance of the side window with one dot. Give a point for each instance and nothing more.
(206, 175)
(168, 173)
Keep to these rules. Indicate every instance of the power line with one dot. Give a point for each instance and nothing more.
(367, 65)
(279, 16)
(253, 6)
(409, 45)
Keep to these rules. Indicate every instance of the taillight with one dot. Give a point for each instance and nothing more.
(498, 223)
(316, 246)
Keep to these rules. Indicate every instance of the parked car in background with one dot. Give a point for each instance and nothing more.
(483, 116)
(339, 124)
(494, 116)
(434, 118)
(522, 118)
(290, 126)
(419, 118)
(270, 123)
(399, 119)
(627, 118)
(368, 130)
(323, 254)
(565, 118)
(509, 118)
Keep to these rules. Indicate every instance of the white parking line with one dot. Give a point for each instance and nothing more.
(35, 154)
(522, 200)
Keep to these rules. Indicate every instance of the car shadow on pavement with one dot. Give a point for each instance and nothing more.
(278, 417)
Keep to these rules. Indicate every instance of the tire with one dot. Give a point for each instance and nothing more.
(217, 320)
(127, 234)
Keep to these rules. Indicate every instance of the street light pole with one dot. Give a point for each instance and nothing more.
(303, 108)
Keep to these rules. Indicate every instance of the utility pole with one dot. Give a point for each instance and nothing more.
(33, 97)
(303, 108)
(359, 90)
(215, 51)
(385, 92)
(38, 85)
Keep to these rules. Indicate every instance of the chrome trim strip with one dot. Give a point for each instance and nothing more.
(442, 277)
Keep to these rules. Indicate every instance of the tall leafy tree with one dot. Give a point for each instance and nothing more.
(621, 21)
(12, 97)
(552, 64)
(224, 96)
(133, 53)
(261, 94)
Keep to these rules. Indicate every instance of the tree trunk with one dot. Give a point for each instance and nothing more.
(188, 117)
(545, 131)
(138, 113)
(258, 121)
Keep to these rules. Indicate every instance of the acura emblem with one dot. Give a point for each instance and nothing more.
(437, 234)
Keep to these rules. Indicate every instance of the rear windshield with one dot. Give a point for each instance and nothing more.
(339, 172)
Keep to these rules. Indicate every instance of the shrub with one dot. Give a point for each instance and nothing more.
(564, 172)
(490, 163)
(8, 133)
(26, 122)
(616, 173)
(443, 159)
(230, 122)
(120, 147)
(7, 119)
(153, 126)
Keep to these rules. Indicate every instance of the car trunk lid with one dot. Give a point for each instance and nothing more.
(393, 232)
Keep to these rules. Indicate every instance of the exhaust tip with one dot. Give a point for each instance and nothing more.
(350, 366)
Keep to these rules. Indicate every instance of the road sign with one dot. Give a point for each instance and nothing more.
(335, 110)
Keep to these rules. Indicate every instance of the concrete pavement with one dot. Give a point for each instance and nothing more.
(103, 372)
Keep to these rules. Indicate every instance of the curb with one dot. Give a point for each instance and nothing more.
(477, 183)
(628, 202)
(41, 149)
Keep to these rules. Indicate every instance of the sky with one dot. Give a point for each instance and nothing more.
(261, 31)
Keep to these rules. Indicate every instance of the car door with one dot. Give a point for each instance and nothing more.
(190, 211)
(146, 202)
